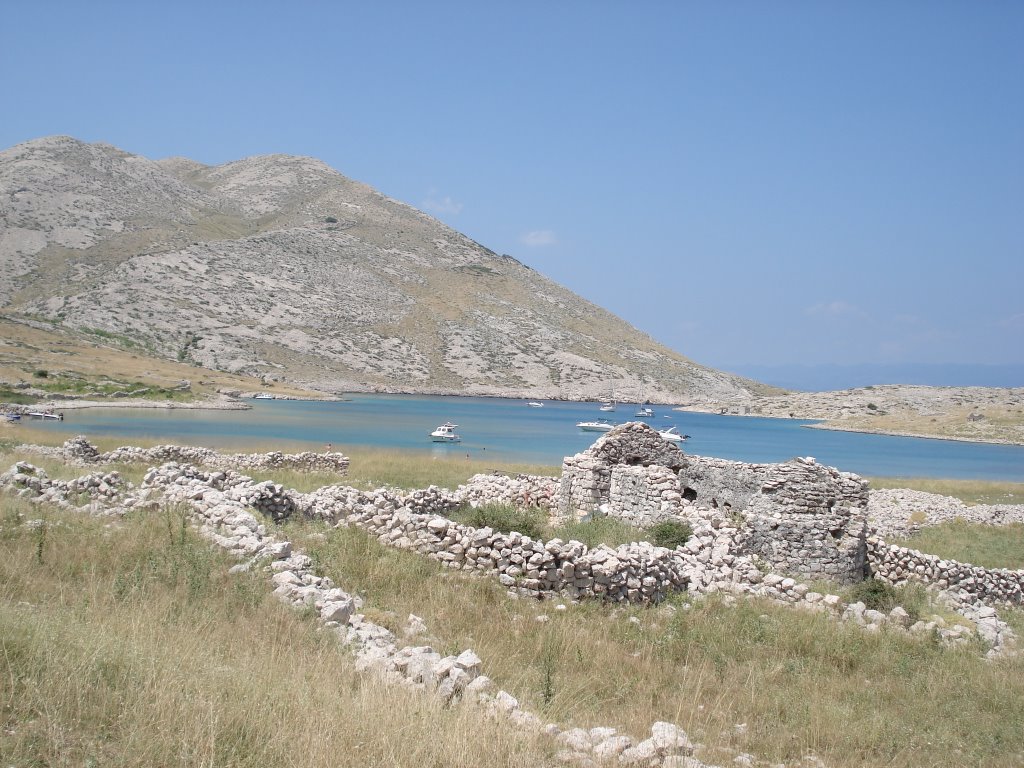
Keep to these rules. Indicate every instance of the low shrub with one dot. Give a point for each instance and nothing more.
(670, 533)
(876, 595)
(503, 517)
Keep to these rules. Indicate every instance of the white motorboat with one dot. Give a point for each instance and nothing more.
(445, 433)
(672, 435)
(601, 425)
(46, 415)
(264, 396)
(535, 404)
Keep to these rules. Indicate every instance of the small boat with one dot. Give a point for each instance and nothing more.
(535, 404)
(46, 415)
(609, 404)
(13, 416)
(643, 408)
(445, 433)
(672, 435)
(601, 425)
(264, 396)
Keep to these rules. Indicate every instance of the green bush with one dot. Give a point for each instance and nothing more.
(41, 374)
(670, 533)
(504, 518)
(882, 596)
(876, 595)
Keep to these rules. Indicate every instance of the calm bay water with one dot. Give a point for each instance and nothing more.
(508, 430)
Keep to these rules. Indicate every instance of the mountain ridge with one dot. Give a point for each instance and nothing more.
(280, 267)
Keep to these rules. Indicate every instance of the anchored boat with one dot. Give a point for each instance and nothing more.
(672, 435)
(445, 433)
(601, 425)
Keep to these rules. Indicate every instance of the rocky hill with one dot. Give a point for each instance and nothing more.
(280, 267)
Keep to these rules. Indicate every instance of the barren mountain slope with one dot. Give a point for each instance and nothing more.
(279, 266)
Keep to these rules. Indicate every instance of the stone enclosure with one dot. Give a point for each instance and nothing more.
(799, 517)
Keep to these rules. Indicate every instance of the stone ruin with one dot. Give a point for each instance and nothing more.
(799, 516)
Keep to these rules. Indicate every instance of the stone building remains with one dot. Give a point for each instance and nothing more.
(799, 516)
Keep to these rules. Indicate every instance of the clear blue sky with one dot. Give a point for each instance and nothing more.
(751, 183)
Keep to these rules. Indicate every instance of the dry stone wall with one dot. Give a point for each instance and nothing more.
(80, 450)
(900, 565)
(711, 561)
(520, 490)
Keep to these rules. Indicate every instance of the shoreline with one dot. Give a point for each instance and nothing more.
(821, 423)
(917, 435)
(197, 405)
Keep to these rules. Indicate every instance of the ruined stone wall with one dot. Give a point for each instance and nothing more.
(80, 451)
(519, 490)
(643, 496)
(585, 485)
(901, 512)
(810, 520)
(642, 461)
(800, 517)
(710, 561)
(720, 483)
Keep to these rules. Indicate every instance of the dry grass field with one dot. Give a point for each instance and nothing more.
(128, 643)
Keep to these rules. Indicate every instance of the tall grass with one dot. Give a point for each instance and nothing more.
(373, 468)
(800, 681)
(990, 546)
(131, 645)
(598, 530)
(369, 468)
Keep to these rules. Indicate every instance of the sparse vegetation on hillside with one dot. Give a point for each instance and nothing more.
(359, 303)
(77, 363)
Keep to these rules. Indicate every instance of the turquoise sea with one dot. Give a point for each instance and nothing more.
(509, 430)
